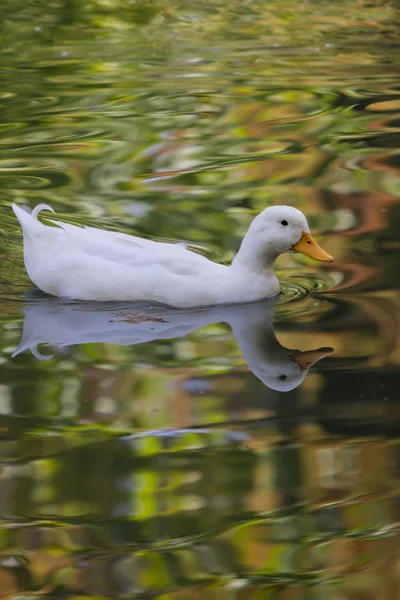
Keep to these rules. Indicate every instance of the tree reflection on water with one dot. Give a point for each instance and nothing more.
(162, 457)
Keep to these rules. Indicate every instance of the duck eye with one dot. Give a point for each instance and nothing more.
(282, 377)
(284, 223)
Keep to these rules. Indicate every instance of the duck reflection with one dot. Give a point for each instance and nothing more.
(59, 324)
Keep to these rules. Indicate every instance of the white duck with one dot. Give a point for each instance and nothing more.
(85, 263)
(60, 324)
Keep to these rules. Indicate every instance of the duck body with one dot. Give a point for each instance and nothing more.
(85, 263)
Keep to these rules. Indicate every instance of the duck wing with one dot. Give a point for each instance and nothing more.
(133, 251)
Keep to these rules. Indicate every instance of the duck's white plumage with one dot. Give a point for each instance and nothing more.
(85, 263)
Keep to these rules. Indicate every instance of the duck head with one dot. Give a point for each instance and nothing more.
(276, 230)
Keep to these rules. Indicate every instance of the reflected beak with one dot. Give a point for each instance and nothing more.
(307, 359)
(308, 246)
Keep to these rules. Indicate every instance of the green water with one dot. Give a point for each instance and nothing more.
(153, 452)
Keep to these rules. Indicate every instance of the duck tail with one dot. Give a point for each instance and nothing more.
(29, 219)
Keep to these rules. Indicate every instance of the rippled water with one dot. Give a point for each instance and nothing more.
(152, 452)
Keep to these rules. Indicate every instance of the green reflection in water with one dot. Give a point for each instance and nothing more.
(168, 464)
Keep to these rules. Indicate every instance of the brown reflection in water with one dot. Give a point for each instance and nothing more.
(364, 330)
(319, 511)
(360, 248)
(370, 211)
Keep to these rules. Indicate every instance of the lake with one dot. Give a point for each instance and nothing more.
(232, 452)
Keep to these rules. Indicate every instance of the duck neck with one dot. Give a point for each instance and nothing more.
(254, 258)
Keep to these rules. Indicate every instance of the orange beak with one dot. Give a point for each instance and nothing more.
(307, 359)
(308, 246)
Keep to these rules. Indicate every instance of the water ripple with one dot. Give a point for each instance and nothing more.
(167, 467)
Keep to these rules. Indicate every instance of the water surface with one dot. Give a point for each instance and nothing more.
(151, 452)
